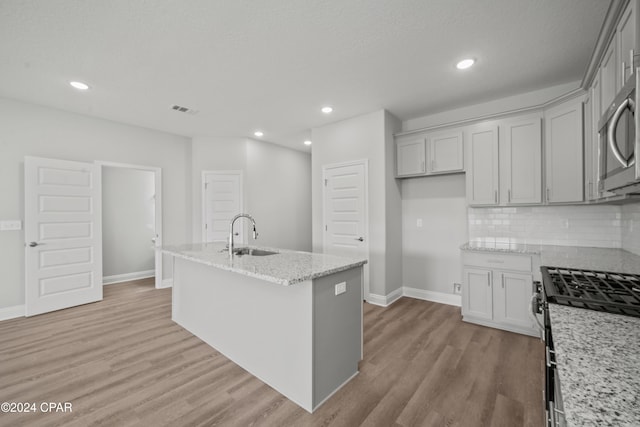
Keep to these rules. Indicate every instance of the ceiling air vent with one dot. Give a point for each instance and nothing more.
(184, 109)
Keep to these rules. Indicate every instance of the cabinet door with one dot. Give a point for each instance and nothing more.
(564, 153)
(626, 43)
(445, 152)
(521, 161)
(410, 156)
(608, 82)
(477, 298)
(512, 294)
(482, 165)
(588, 147)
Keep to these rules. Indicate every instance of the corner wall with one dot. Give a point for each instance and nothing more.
(364, 137)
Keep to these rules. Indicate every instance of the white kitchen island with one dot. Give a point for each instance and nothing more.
(276, 316)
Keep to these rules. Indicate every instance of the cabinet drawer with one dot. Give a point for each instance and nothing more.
(498, 261)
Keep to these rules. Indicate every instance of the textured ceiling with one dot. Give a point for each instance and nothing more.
(272, 64)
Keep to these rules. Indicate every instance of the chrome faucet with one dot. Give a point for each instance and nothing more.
(242, 215)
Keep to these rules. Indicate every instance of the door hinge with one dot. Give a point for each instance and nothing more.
(325, 228)
(205, 185)
(325, 182)
(206, 226)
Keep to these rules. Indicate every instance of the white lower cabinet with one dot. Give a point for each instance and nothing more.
(496, 291)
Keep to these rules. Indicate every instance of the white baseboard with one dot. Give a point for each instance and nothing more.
(385, 300)
(166, 283)
(405, 291)
(119, 278)
(440, 297)
(12, 312)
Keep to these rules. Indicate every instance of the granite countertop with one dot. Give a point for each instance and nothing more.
(285, 268)
(598, 361)
(599, 259)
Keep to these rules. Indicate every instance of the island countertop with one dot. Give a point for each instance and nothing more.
(286, 267)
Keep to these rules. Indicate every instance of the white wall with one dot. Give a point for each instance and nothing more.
(128, 221)
(631, 228)
(277, 187)
(31, 130)
(278, 193)
(431, 253)
(364, 137)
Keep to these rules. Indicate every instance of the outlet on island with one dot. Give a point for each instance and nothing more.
(341, 288)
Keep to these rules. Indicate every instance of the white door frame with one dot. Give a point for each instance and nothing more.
(158, 210)
(325, 168)
(203, 207)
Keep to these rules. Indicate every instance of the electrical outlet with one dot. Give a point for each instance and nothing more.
(419, 223)
(457, 288)
(341, 288)
(10, 225)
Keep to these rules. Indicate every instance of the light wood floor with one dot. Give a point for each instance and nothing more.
(123, 362)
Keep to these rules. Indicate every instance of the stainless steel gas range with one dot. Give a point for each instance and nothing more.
(609, 292)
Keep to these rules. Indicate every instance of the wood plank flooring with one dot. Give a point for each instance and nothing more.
(123, 362)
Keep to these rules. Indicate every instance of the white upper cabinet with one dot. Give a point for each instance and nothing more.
(410, 156)
(625, 40)
(429, 153)
(608, 74)
(564, 153)
(504, 162)
(445, 152)
(521, 161)
(482, 164)
(592, 114)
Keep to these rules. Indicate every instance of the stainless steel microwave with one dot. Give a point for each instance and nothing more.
(619, 135)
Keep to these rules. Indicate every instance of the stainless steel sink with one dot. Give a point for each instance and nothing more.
(252, 252)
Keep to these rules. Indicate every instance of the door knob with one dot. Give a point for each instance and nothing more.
(361, 239)
(33, 244)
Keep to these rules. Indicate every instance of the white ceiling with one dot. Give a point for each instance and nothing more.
(272, 64)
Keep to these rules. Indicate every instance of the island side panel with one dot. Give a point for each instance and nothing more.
(337, 332)
(264, 327)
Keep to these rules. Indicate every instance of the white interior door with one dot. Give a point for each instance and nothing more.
(345, 212)
(221, 201)
(63, 234)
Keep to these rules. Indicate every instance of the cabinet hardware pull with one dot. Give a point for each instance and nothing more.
(502, 280)
(433, 165)
(509, 196)
(624, 71)
(423, 166)
(548, 194)
(495, 196)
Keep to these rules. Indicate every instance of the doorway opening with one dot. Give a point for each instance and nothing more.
(131, 223)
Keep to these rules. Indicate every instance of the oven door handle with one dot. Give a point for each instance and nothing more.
(533, 310)
(611, 132)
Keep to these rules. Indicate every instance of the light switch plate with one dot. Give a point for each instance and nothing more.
(341, 288)
(10, 225)
(419, 223)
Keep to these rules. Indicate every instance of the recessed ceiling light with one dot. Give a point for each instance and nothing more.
(79, 85)
(465, 63)
(258, 133)
(326, 110)
(307, 142)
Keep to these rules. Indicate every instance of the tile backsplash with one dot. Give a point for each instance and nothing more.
(590, 225)
(631, 228)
